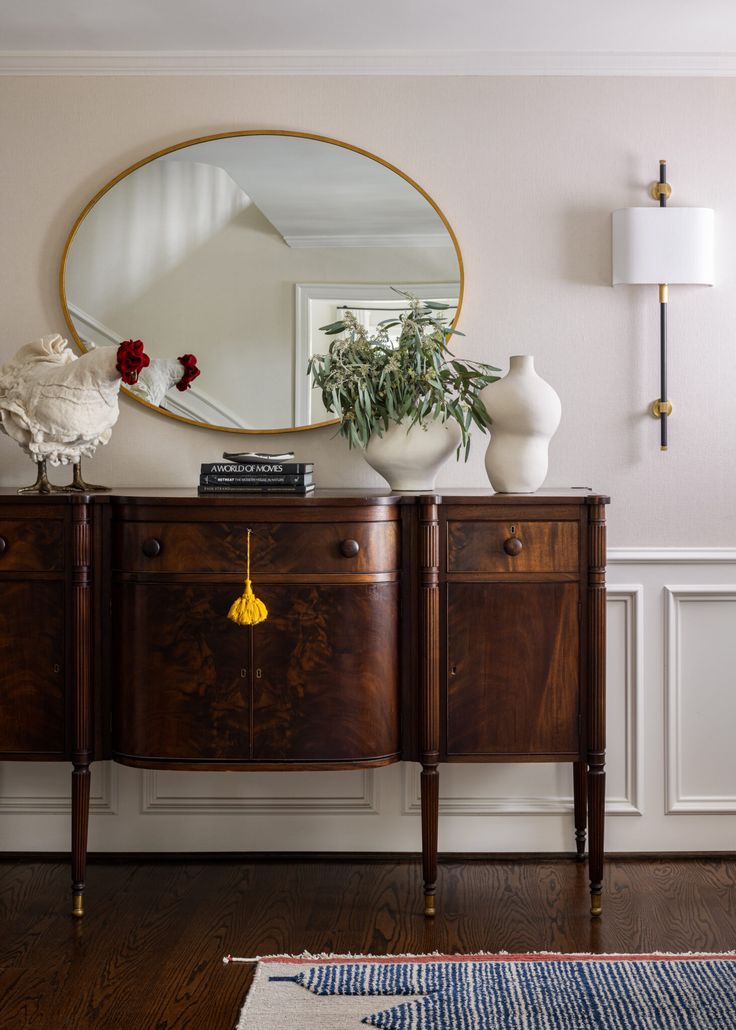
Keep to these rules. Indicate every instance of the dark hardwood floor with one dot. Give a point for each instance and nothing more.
(148, 954)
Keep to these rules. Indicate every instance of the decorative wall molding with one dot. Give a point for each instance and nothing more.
(631, 596)
(676, 801)
(155, 801)
(458, 805)
(365, 62)
(103, 796)
(671, 555)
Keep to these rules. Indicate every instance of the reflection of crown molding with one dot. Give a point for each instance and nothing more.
(440, 239)
(363, 62)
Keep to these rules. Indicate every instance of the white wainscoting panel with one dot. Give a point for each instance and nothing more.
(701, 698)
(671, 764)
(321, 793)
(43, 788)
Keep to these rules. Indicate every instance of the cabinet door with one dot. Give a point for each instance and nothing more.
(326, 673)
(512, 669)
(32, 709)
(182, 673)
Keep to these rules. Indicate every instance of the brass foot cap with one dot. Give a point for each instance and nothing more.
(78, 906)
(596, 907)
(429, 907)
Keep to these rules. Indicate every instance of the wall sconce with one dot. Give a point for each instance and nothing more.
(663, 245)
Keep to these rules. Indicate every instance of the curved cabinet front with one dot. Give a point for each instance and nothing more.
(316, 684)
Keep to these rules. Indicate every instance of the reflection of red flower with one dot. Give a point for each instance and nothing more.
(189, 361)
(131, 359)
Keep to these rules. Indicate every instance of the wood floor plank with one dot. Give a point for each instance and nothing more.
(148, 954)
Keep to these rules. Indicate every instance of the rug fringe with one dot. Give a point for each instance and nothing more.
(321, 956)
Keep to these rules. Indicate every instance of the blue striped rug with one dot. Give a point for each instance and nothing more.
(495, 992)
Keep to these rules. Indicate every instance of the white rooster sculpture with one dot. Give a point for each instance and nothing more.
(59, 407)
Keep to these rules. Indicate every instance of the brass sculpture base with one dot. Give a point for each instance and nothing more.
(42, 485)
(78, 485)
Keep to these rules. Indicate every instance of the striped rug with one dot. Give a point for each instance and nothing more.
(494, 992)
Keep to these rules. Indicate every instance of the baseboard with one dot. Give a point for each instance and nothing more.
(365, 857)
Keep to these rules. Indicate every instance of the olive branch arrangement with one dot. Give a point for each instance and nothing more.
(370, 381)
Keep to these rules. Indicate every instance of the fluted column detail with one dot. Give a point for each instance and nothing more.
(596, 674)
(81, 621)
(429, 741)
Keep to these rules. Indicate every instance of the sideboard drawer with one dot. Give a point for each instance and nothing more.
(31, 545)
(485, 546)
(280, 548)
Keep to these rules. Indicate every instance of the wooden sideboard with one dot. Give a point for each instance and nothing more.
(448, 627)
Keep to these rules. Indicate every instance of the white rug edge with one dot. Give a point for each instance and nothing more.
(260, 972)
(261, 962)
(307, 956)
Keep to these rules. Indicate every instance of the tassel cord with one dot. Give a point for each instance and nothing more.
(248, 610)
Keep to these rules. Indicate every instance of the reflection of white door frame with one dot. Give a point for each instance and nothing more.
(347, 293)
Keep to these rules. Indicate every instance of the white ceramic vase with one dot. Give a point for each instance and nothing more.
(525, 413)
(411, 460)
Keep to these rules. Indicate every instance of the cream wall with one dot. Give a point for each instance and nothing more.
(527, 171)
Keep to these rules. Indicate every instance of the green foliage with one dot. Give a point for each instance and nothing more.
(370, 381)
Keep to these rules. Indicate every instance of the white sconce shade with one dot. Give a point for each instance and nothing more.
(663, 245)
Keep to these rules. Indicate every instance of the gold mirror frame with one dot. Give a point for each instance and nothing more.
(228, 135)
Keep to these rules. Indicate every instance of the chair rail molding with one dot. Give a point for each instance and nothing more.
(366, 62)
(671, 555)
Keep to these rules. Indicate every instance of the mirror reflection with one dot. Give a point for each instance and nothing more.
(236, 249)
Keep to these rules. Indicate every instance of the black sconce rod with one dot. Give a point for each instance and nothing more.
(663, 407)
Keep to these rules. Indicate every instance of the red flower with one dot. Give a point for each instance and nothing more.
(131, 359)
(189, 361)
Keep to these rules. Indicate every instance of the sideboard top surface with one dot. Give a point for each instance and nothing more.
(347, 497)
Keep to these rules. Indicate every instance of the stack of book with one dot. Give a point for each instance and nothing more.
(254, 473)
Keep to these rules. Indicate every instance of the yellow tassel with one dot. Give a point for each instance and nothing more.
(248, 610)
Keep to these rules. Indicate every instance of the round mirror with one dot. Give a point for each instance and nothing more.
(236, 248)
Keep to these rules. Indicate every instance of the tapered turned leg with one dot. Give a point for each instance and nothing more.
(42, 485)
(596, 815)
(580, 793)
(80, 821)
(430, 780)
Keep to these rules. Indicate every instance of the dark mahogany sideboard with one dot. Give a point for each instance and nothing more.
(446, 627)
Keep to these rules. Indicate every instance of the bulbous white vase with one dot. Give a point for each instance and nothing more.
(411, 460)
(525, 413)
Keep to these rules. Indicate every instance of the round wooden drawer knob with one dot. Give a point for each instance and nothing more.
(151, 547)
(349, 548)
(3, 545)
(512, 546)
